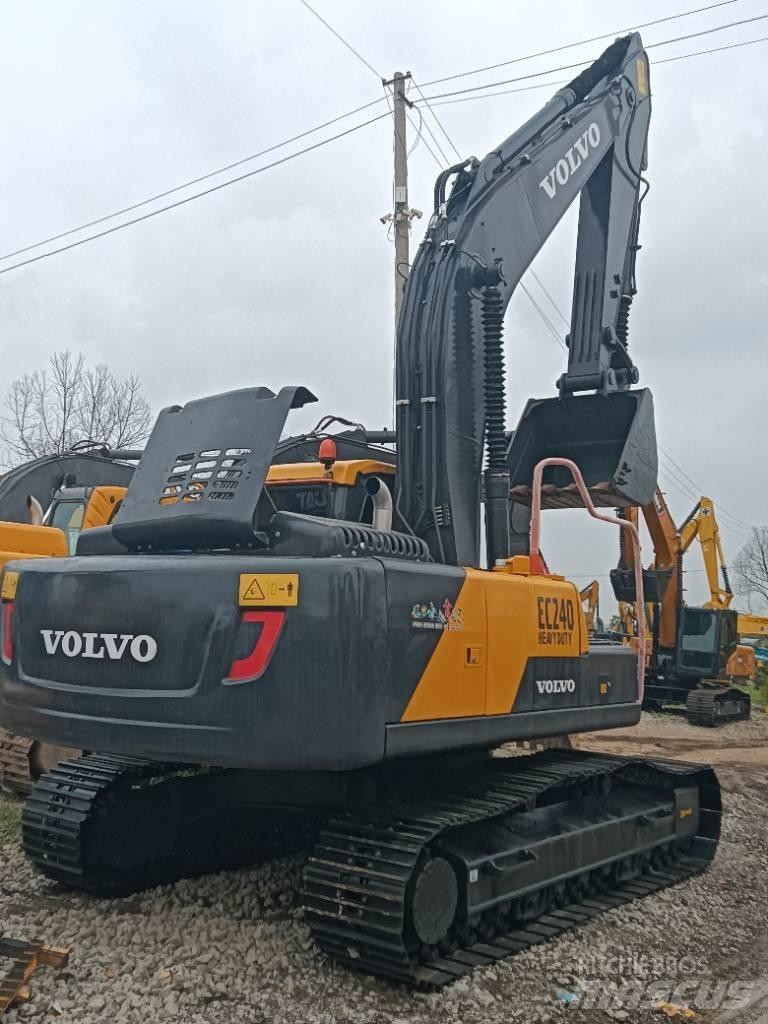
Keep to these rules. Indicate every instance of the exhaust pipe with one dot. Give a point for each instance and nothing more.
(381, 496)
(35, 510)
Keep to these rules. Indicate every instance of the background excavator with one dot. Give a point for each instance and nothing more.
(590, 602)
(695, 653)
(261, 670)
(44, 504)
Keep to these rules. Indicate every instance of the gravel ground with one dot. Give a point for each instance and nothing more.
(233, 947)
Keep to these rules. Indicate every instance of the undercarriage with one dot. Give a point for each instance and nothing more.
(417, 872)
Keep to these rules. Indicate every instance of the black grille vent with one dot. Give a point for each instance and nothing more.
(210, 475)
(364, 541)
(291, 533)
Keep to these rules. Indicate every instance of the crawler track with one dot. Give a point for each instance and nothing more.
(551, 839)
(113, 825)
(15, 769)
(358, 888)
(717, 705)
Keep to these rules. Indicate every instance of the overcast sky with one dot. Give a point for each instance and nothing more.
(286, 278)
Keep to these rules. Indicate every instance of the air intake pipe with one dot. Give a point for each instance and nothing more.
(381, 497)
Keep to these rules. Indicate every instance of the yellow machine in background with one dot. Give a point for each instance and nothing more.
(590, 602)
(703, 522)
(691, 646)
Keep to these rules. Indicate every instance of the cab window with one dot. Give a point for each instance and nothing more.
(68, 517)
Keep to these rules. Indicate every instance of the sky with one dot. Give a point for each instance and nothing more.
(287, 277)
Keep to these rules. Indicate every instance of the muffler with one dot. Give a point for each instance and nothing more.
(611, 438)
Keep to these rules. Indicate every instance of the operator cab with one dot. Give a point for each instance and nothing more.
(74, 509)
(706, 640)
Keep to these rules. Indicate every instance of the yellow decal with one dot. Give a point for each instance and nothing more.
(10, 582)
(269, 589)
(686, 812)
(642, 75)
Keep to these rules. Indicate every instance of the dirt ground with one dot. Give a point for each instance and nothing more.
(233, 947)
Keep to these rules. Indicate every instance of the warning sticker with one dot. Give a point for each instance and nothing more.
(269, 589)
(10, 582)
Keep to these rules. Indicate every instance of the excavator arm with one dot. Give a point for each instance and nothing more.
(702, 523)
(590, 139)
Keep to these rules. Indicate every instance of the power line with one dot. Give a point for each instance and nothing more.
(581, 42)
(310, 131)
(341, 39)
(554, 305)
(543, 316)
(423, 124)
(437, 119)
(583, 63)
(197, 195)
(668, 478)
(720, 508)
(717, 49)
(563, 81)
(504, 92)
(191, 182)
(370, 67)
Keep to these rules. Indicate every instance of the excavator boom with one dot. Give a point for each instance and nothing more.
(590, 139)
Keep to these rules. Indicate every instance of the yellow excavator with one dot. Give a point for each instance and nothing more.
(743, 662)
(590, 602)
(695, 654)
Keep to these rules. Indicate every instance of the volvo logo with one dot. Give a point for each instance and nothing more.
(556, 685)
(573, 159)
(114, 646)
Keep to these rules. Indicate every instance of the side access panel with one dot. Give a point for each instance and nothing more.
(521, 642)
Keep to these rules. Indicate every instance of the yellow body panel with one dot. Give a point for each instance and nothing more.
(453, 684)
(527, 616)
(101, 505)
(752, 625)
(505, 619)
(21, 540)
(344, 472)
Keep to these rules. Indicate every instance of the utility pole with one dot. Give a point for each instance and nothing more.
(402, 215)
(402, 222)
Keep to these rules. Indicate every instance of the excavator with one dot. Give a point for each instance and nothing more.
(81, 488)
(694, 653)
(590, 602)
(260, 673)
(743, 662)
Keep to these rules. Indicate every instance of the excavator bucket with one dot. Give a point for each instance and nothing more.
(655, 584)
(611, 438)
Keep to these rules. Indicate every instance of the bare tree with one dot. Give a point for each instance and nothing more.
(50, 410)
(751, 566)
